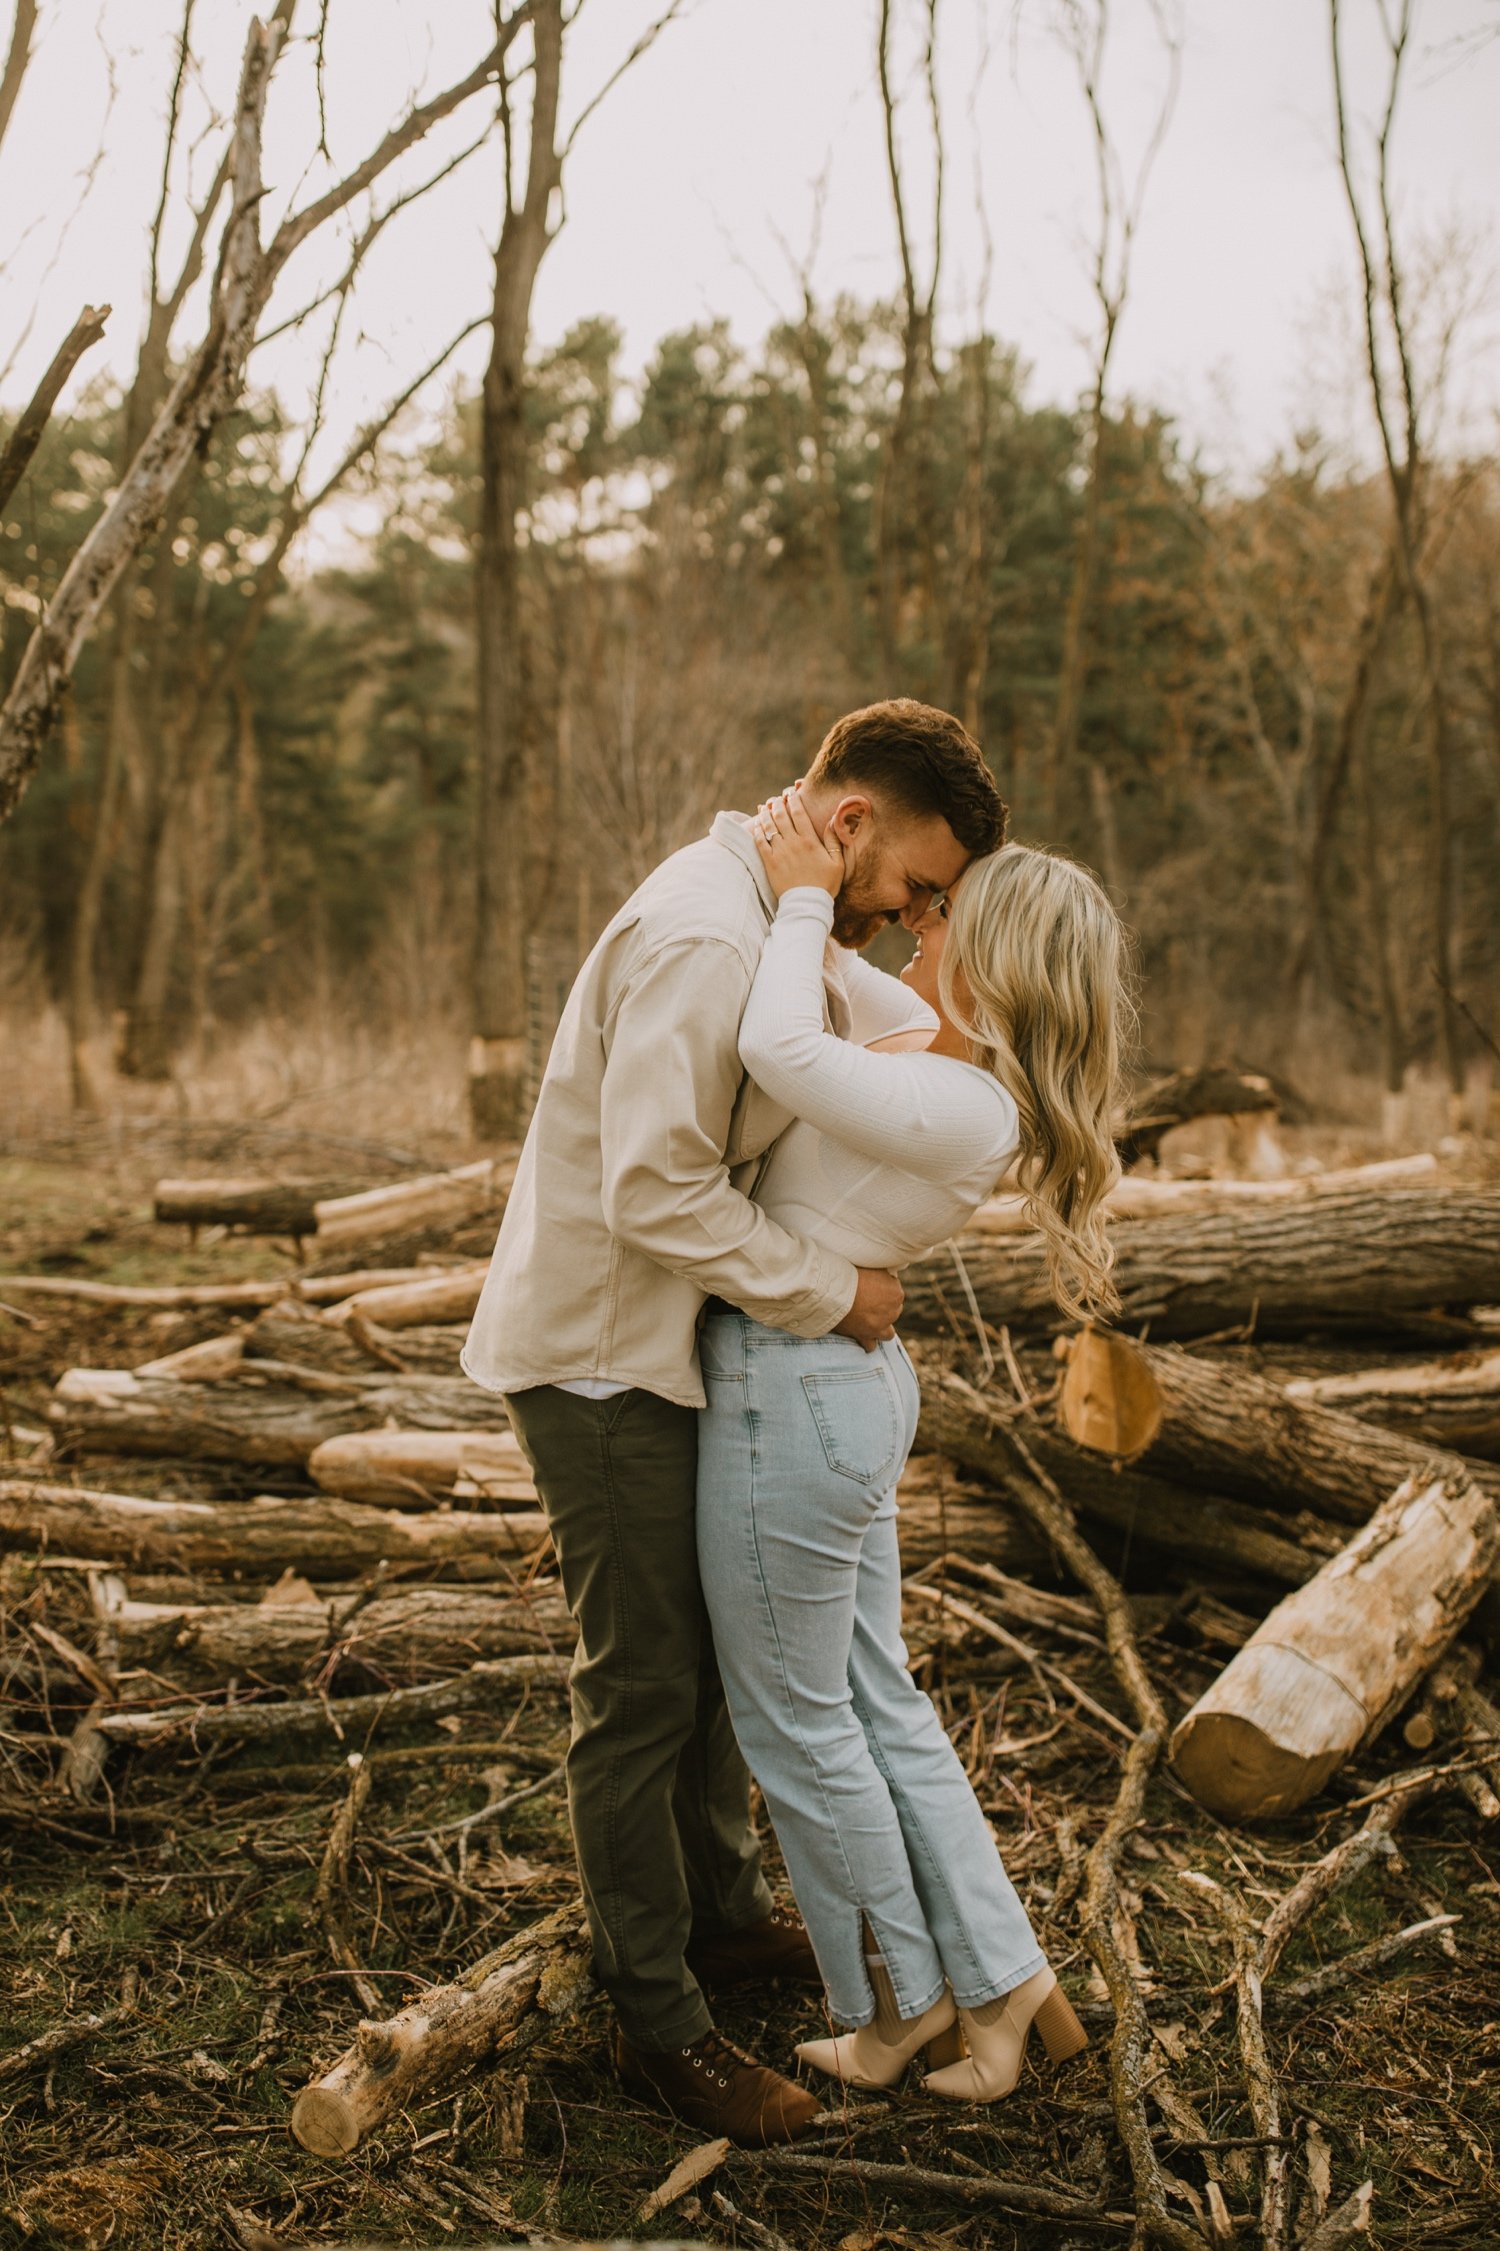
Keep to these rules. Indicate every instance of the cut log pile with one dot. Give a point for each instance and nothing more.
(1329, 1542)
(1372, 1493)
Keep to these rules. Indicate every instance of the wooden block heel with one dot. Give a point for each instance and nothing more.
(1062, 2034)
(947, 2047)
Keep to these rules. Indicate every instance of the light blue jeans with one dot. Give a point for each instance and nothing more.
(799, 1451)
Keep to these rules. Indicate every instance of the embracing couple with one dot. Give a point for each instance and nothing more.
(743, 1133)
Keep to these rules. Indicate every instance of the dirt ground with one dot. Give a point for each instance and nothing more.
(176, 1912)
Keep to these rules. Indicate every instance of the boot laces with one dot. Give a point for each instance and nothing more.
(713, 2050)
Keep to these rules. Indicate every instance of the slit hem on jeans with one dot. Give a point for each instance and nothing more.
(1007, 1984)
(857, 2024)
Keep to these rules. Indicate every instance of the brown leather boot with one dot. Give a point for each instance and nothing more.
(714, 2085)
(776, 1946)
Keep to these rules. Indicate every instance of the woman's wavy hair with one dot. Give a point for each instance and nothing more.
(1035, 971)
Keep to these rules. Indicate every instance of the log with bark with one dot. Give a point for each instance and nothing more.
(420, 1630)
(497, 2009)
(448, 1296)
(184, 1297)
(329, 1210)
(1183, 1416)
(310, 1338)
(268, 1413)
(397, 1468)
(1220, 1091)
(1453, 1402)
(322, 1538)
(1337, 1658)
(1138, 1196)
(1363, 1261)
(255, 1207)
(1202, 1528)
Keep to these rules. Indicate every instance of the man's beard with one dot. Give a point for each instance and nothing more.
(854, 922)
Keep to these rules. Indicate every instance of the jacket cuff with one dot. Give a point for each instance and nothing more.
(817, 1311)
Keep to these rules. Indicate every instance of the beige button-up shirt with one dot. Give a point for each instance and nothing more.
(631, 1203)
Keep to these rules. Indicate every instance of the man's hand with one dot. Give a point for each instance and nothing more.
(872, 1318)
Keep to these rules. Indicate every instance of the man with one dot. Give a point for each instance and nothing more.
(630, 1209)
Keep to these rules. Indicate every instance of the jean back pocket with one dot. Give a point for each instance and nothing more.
(858, 1423)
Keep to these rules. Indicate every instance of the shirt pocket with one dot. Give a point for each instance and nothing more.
(857, 1421)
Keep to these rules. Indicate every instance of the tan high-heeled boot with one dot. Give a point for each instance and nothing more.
(996, 2033)
(878, 2053)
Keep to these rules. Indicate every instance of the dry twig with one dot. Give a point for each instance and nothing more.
(1107, 1928)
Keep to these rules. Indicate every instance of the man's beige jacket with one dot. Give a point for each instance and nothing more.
(624, 1216)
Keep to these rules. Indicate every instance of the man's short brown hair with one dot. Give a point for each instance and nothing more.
(919, 759)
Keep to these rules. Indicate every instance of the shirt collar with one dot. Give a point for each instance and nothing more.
(732, 830)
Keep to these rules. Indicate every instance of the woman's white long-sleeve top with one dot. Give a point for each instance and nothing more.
(888, 1154)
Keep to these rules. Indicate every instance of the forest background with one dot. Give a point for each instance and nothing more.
(403, 680)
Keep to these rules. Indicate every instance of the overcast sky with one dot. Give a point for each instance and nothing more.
(694, 187)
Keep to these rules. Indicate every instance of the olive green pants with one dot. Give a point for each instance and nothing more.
(657, 1790)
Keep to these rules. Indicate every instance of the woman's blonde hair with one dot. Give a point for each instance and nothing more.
(1034, 972)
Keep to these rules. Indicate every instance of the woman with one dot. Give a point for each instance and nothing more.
(919, 1934)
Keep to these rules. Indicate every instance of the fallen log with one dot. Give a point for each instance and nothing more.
(1219, 1091)
(307, 1337)
(184, 1297)
(478, 1687)
(1139, 1196)
(497, 2008)
(1202, 1528)
(327, 1209)
(394, 1466)
(436, 1199)
(449, 1296)
(1337, 1658)
(324, 1539)
(256, 1207)
(418, 1629)
(1353, 1261)
(1186, 1417)
(270, 1413)
(1453, 1402)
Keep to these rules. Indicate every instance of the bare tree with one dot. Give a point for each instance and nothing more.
(209, 385)
(1396, 397)
(1084, 28)
(508, 731)
(897, 497)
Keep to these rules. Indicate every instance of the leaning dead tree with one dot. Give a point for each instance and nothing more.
(246, 273)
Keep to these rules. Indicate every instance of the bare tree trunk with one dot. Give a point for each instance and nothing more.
(1398, 399)
(1085, 26)
(17, 57)
(497, 1067)
(906, 445)
(970, 617)
(1062, 739)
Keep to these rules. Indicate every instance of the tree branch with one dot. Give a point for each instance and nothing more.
(295, 229)
(27, 434)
